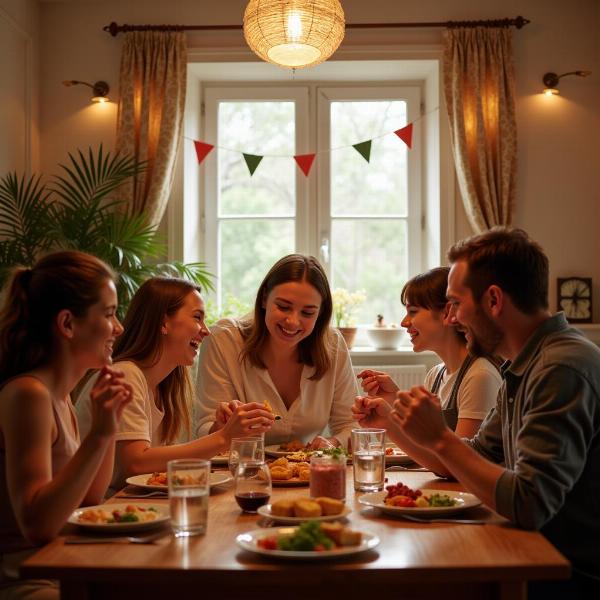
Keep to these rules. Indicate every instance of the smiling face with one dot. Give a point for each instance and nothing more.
(424, 326)
(95, 333)
(291, 312)
(184, 331)
(482, 333)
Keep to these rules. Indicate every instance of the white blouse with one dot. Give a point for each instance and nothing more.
(223, 376)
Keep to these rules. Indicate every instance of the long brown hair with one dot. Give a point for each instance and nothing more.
(68, 280)
(314, 350)
(141, 343)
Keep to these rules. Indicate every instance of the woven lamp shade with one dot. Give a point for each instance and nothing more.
(294, 33)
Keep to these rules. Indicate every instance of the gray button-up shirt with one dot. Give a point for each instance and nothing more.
(545, 429)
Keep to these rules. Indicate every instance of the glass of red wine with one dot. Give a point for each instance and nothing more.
(252, 484)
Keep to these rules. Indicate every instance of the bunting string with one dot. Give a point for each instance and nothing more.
(305, 161)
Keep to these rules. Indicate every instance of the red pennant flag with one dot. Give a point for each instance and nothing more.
(405, 134)
(202, 150)
(305, 161)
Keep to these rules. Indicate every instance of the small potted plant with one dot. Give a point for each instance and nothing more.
(345, 305)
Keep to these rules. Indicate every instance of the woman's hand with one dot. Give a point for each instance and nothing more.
(248, 419)
(224, 412)
(109, 396)
(371, 412)
(419, 416)
(378, 384)
(320, 443)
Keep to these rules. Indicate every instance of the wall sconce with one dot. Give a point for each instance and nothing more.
(100, 89)
(551, 81)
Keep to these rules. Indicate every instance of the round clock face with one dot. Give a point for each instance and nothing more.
(575, 298)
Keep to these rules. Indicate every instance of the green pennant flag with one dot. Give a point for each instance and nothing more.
(364, 149)
(252, 162)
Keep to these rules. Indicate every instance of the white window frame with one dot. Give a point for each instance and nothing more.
(412, 96)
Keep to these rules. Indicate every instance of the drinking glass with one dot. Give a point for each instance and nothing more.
(368, 462)
(189, 485)
(252, 484)
(328, 476)
(247, 448)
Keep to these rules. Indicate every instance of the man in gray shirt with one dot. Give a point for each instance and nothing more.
(536, 458)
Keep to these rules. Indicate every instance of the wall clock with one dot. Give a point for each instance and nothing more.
(575, 298)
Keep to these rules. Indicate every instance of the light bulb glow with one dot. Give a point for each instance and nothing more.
(551, 91)
(294, 27)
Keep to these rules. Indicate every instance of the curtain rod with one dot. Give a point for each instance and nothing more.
(114, 29)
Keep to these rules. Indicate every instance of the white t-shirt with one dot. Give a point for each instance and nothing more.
(223, 376)
(478, 392)
(141, 418)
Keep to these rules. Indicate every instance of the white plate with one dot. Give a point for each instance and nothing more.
(275, 451)
(162, 515)
(398, 458)
(248, 541)
(220, 459)
(463, 501)
(265, 511)
(140, 481)
(293, 482)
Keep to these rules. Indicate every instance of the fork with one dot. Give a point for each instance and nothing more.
(444, 520)
(140, 495)
(401, 468)
(131, 539)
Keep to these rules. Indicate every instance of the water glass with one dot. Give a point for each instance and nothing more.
(368, 459)
(328, 476)
(252, 484)
(189, 486)
(247, 448)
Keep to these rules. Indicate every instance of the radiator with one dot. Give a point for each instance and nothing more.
(404, 376)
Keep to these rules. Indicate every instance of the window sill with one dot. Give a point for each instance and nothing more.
(368, 356)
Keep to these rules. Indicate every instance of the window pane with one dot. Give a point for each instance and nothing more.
(377, 187)
(256, 128)
(371, 255)
(248, 250)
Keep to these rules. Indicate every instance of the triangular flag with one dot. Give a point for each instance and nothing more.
(252, 161)
(364, 149)
(405, 134)
(305, 162)
(202, 150)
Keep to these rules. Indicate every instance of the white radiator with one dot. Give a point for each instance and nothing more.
(404, 376)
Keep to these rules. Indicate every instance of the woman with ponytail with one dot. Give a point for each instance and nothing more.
(58, 320)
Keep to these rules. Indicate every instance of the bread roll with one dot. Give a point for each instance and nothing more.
(283, 508)
(307, 508)
(330, 506)
(280, 473)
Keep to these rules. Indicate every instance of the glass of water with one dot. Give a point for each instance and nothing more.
(245, 449)
(368, 462)
(189, 486)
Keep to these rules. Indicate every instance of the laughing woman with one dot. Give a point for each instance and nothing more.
(164, 328)
(466, 384)
(286, 354)
(57, 320)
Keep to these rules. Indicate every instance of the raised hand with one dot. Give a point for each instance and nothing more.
(378, 384)
(371, 412)
(419, 416)
(109, 396)
(224, 412)
(248, 419)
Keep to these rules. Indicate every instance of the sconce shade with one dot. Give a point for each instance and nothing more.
(551, 81)
(100, 89)
(294, 33)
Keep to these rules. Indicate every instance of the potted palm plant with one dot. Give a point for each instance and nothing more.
(345, 305)
(76, 209)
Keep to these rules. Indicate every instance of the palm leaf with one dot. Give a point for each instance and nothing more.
(196, 272)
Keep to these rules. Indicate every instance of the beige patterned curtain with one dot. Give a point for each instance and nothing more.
(150, 119)
(480, 88)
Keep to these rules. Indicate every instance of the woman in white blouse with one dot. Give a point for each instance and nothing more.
(286, 353)
(466, 384)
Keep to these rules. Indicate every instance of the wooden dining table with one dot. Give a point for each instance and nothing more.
(413, 560)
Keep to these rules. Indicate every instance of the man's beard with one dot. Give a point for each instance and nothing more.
(484, 337)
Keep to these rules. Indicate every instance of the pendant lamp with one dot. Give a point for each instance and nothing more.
(294, 33)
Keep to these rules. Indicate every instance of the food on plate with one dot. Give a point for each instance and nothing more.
(284, 470)
(304, 507)
(131, 514)
(402, 496)
(292, 446)
(330, 506)
(393, 451)
(307, 508)
(281, 473)
(312, 536)
(269, 408)
(160, 478)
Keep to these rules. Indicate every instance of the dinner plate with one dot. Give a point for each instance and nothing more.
(162, 515)
(275, 451)
(464, 500)
(265, 511)
(248, 541)
(140, 481)
(220, 459)
(399, 457)
(293, 482)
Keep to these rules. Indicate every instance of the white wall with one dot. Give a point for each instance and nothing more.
(558, 190)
